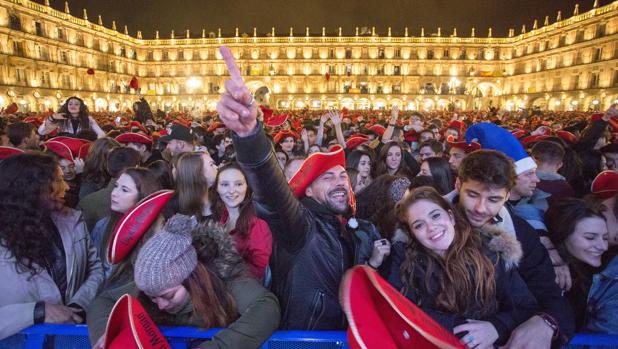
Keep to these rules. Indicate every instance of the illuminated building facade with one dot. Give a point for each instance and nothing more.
(570, 64)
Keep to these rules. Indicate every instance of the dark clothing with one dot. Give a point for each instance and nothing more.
(513, 302)
(537, 271)
(71, 197)
(154, 156)
(577, 295)
(97, 205)
(558, 188)
(310, 254)
(57, 267)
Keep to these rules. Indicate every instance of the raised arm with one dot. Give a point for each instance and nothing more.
(273, 198)
(388, 133)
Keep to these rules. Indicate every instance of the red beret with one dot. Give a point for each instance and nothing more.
(283, 134)
(381, 317)
(355, 141)
(277, 120)
(135, 223)
(313, 167)
(5, 152)
(567, 136)
(131, 137)
(605, 184)
(130, 327)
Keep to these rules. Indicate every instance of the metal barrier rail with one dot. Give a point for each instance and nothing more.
(76, 337)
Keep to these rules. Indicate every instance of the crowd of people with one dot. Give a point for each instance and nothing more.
(501, 226)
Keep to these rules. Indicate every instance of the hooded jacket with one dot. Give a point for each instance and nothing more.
(513, 302)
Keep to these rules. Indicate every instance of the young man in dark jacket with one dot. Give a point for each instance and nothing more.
(312, 244)
(484, 181)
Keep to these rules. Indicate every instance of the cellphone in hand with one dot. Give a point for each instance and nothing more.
(118, 119)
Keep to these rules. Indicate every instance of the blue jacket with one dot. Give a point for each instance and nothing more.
(602, 310)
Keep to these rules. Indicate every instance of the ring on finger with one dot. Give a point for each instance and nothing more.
(251, 101)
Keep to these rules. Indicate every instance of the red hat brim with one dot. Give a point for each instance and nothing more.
(355, 142)
(567, 136)
(131, 137)
(466, 147)
(381, 317)
(138, 125)
(313, 167)
(135, 223)
(379, 129)
(605, 184)
(532, 139)
(215, 126)
(129, 326)
(77, 148)
(60, 149)
(5, 152)
(283, 134)
(277, 120)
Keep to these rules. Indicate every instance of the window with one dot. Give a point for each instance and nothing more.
(594, 80)
(396, 88)
(62, 57)
(331, 69)
(181, 54)
(38, 26)
(45, 78)
(447, 54)
(430, 54)
(396, 70)
(398, 53)
(381, 53)
(66, 81)
(348, 53)
(380, 70)
(598, 53)
(122, 52)
(380, 89)
(14, 22)
(20, 75)
(18, 48)
(331, 53)
(150, 56)
(60, 33)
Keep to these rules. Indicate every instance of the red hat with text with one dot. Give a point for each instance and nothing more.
(605, 184)
(135, 223)
(130, 327)
(131, 137)
(381, 317)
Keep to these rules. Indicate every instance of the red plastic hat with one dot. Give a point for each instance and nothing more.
(5, 152)
(277, 120)
(466, 147)
(518, 133)
(567, 136)
(138, 125)
(381, 317)
(379, 129)
(596, 116)
(532, 139)
(135, 223)
(130, 327)
(457, 124)
(11, 109)
(216, 125)
(268, 113)
(131, 137)
(313, 167)
(68, 148)
(36, 121)
(605, 184)
(283, 134)
(355, 141)
(297, 125)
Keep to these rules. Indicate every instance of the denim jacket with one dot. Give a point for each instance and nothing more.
(602, 309)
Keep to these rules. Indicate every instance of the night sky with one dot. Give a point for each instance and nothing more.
(180, 15)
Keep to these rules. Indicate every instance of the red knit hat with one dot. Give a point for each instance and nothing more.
(381, 317)
(130, 327)
(283, 134)
(605, 184)
(5, 152)
(131, 137)
(135, 223)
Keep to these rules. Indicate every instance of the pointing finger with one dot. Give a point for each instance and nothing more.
(230, 62)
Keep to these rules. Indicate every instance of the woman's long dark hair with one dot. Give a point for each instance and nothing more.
(95, 170)
(142, 111)
(191, 184)
(441, 174)
(467, 275)
(243, 224)
(84, 121)
(26, 186)
(381, 168)
(375, 204)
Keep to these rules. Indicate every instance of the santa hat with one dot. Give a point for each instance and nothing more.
(605, 184)
(130, 327)
(283, 134)
(134, 224)
(465, 146)
(381, 317)
(492, 136)
(5, 152)
(131, 137)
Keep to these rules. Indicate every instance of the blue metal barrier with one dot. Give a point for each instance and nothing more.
(76, 337)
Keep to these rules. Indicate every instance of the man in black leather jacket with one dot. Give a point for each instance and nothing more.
(312, 245)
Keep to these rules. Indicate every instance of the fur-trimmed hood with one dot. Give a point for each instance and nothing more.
(505, 245)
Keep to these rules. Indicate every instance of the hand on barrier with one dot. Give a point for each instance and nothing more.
(61, 314)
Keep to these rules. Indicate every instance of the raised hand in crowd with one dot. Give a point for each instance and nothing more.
(237, 108)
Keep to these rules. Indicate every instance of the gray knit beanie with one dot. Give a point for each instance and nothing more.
(168, 258)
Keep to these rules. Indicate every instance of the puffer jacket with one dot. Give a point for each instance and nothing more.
(20, 291)
(312, 248)
(513, 303)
